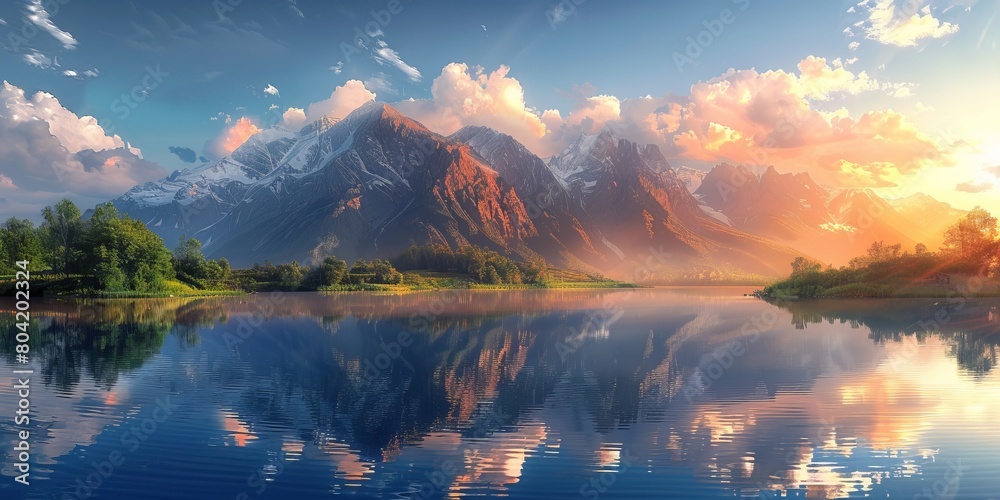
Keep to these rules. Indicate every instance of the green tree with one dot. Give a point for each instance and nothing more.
(60, 229)
(123, 253)
(361, 267)
(189, 261)
(224, 267)
(331, 271)
(385, 273)
(144, 258)
(19, 240)
(290, 275)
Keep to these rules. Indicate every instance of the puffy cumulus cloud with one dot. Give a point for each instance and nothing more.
(272, 90)
(73, 132)
(232, 137)
(344, 99)
(469, 96)
(40, 170)
(742, 116)
(592, 113)
(903, 24)
(49, 152)
(768, 118)
(294, 119)
(973, 187)
(818, 80)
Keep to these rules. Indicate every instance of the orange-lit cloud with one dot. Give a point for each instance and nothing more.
(113, 162)
(470, 96)
(768, 118)
(742, 116)
(973, 187)
(232, 137)
(238, 134)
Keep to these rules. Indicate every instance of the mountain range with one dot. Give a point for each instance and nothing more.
(376, 182)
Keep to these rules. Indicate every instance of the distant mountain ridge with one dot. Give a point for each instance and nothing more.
(833, 225)
(376, 182)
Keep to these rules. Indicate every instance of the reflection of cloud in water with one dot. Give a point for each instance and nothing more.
(237, 432)
(346, 461)
(499, 461)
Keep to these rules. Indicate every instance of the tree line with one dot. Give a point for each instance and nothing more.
(970, 247)
(482, 264)
(109, 252)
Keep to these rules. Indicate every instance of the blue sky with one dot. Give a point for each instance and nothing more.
(592, 61)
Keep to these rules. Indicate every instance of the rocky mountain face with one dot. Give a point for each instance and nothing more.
(563, 226)
(928, 217)
(376, 182)
(639, 203)
(371, 184)
(830, 225)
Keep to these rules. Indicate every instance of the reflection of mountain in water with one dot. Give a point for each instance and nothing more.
(519, 369)
(971, 327)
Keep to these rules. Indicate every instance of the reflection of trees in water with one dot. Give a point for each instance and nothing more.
(970, 327)
(104, 338)
(467, 371)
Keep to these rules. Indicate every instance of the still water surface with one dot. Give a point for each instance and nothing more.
(659, 393)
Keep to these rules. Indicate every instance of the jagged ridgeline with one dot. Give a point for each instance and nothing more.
(376, 182)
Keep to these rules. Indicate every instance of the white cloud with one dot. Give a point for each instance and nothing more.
(75, 133)
(295, 9)
(468, 96)
(854, 45)
(40, 17)
(36, 58)
(49, 152)
(559, 14)
(341, 102)
(904, 25)
(294, 119)
(271, 90)
(383, 54)
(819, 81)
(380, 83)
(337, 68)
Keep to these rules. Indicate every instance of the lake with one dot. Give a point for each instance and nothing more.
(660, 393)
